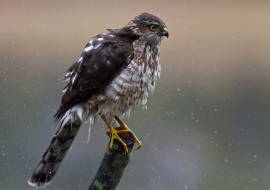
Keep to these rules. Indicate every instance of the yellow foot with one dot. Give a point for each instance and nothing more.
(121, 129)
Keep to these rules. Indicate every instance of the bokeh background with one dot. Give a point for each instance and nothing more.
(207, 123)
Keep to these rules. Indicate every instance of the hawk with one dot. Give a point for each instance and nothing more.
(115, 73)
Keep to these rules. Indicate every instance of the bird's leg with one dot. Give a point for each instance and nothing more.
(121, 129)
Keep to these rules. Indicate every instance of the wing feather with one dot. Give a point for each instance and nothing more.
(99, 63)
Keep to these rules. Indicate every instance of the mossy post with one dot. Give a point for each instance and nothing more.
(113, 165)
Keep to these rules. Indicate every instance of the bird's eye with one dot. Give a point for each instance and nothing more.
(153, 27)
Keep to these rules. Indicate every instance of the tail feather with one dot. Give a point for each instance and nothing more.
(55, 153)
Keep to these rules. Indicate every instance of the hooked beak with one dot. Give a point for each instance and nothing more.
(165, 32)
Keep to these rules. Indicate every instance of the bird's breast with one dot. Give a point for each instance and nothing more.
(133, 84)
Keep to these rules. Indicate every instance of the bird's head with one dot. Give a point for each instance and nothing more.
(148, 26)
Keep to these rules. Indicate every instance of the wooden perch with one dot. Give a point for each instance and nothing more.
(113, 165)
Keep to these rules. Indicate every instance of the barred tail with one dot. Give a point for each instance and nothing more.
(55, 153)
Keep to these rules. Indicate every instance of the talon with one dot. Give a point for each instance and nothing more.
(121, 129)
(137, 148)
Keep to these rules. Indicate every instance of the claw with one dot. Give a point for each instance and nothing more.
(114, 135)
(137, 148)
(121, 129)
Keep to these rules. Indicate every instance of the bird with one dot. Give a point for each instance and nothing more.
(115, 73)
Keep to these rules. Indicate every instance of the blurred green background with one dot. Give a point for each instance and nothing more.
(207, 123)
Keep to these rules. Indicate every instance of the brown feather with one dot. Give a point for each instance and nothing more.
(54, 154)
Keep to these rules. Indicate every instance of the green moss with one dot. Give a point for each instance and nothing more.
(98, 185)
